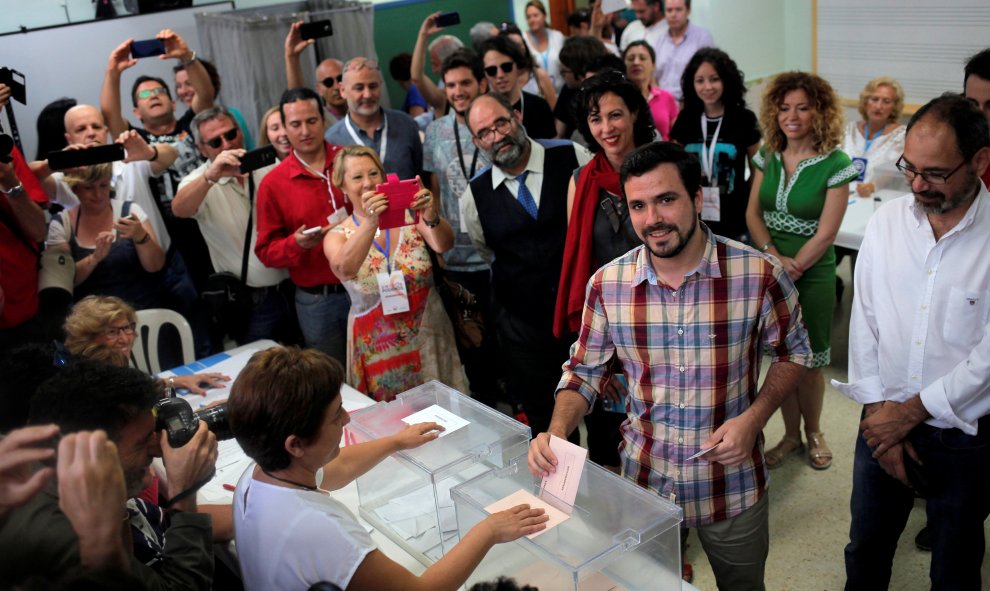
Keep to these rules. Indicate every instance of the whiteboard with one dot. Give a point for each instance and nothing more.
(924, 45)
(69, 61)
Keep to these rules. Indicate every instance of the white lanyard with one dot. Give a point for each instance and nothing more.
(333, 202)
(357, 140)
(708, 155)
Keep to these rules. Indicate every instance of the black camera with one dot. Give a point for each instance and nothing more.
(176, 417)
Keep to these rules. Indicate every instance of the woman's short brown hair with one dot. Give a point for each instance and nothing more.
(871, 87)
(337, 178)
(827, 125)
(89, 174)
(263, 140)
(282, 391)
(90, 318)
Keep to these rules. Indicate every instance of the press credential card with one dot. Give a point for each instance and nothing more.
(437, 414)
(524, 497)
(563, 483)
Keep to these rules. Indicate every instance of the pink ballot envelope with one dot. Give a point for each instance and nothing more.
(563, 484)
(400, 197)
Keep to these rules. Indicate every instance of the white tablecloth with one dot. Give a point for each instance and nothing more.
(858, 214)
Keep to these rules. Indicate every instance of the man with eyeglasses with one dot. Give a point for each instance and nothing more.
(515, 211)
(222, 201)
(329, 74)
(503, 61)
(393, 134)
(919, 355)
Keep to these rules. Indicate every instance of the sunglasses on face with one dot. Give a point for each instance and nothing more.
(218, 141)
(506, 68)
(150, 92)
(331, 80)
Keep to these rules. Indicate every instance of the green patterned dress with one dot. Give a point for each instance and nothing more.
(791, 209)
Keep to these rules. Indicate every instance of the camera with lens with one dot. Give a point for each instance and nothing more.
(176, 417)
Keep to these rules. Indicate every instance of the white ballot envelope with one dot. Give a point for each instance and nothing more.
(437, 414)
(563, 483)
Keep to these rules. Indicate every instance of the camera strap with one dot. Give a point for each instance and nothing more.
(247, 235)
(14, 133)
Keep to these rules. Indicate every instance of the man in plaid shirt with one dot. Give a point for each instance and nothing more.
(689, 316)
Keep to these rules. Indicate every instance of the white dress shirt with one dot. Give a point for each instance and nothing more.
(919, 315)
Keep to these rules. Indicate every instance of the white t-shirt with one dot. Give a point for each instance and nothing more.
(636, 31)
(289, 539)
(130, 183)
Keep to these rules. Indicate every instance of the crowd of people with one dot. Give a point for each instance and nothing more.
(631, 241)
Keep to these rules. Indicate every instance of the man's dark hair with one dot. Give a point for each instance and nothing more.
(400, 67)
(89, 395)
(141, 80)
(51, 126)
(961, 114)
(589, 99)
(299, 94)
(501, 584)
(579, 17)
(504, 46)
(463, 58)
(211, 71)
(648, 157)
(607, 62)
(733, 85)
(978, 65)
(22, 370)
(579, 52)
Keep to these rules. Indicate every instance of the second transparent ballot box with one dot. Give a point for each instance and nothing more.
(407, 495)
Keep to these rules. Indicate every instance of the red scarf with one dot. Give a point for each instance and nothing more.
(579, 263)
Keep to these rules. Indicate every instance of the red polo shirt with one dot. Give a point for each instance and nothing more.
(18, 261)
(291, 196)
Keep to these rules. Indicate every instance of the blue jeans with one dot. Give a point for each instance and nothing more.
(957, 467)
(270, 311)
(323, 322)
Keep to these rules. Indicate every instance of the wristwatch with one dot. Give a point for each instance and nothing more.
(432, 223)
(190, 60)
(16, 191)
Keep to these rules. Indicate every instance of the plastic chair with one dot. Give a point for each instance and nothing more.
(149, 323)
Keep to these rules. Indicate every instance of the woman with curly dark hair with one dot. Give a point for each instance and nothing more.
(800, 192)
(727, 137)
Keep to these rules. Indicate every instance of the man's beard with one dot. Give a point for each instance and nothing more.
(672, 250)
(512, 156)
(946, 203)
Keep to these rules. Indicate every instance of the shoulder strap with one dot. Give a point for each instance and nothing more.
(247, 234)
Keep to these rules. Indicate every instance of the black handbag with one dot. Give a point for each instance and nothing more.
(461, 306)
(228, 296)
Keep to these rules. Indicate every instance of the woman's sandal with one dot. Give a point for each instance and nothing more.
(819, 455)
(788, 445)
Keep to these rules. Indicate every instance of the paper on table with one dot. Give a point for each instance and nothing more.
(437, 414)
(523, 497)
(563, 483)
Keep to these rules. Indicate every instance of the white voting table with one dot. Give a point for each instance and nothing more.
(858, 214)
(231, 460)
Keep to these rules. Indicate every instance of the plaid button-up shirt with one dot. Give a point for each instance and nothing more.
(692, 359)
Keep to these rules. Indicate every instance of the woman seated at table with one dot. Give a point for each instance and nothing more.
(640, 58)
(286, 411)
(877, 141)
(115, 249)
(405, 340)
(104, 328)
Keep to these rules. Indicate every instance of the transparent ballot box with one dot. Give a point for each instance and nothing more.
(407, 496)
(617, 535)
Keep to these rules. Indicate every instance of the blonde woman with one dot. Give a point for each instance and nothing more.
(876, 141)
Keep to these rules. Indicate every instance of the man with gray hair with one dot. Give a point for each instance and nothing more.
(482, 31)
(393, 134)
(221, 200)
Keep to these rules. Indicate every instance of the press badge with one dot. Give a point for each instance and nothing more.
(392, 287)
(711, 206)
(860, 165)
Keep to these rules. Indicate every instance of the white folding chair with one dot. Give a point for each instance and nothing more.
(149, 323)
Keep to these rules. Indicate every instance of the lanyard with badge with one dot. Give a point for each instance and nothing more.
(860, 162)
(464, 170)
(711, 206)
(338, 214)
(391, 283)
(357, 140)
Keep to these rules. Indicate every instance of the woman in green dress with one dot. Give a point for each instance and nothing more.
(800, 192)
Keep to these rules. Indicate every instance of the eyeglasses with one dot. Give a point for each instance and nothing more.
(150, 92)
(115, 331)
(228, 135)
(506, 68)
(503, 125)
(932, 178)
(331, 80)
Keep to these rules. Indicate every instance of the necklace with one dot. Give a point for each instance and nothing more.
(292, 482)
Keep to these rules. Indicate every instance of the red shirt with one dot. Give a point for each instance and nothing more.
(291, 196)
(18, 261)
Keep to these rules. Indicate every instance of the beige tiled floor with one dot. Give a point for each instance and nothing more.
(809, 511)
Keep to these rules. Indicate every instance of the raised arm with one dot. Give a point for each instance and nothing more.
(113, 114)
(28, 214)
(433, 95)
(294, 46)
(176, 47)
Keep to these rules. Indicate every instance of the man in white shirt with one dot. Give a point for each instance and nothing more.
(649, 23)
(222, 201)
(919, 355)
